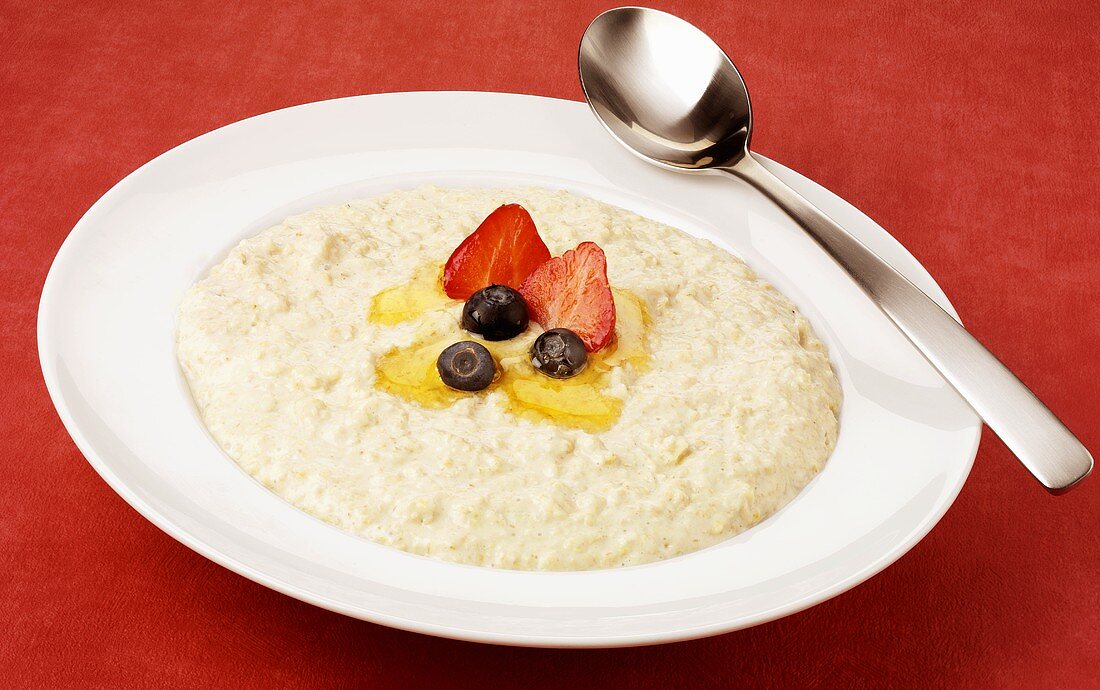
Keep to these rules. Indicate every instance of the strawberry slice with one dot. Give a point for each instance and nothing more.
(571, 291)
(503, 250)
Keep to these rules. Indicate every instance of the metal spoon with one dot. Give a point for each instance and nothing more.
(668, 93)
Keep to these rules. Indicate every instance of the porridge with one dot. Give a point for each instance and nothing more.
(702, 403)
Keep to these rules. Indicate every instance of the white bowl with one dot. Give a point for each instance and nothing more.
(106, 335)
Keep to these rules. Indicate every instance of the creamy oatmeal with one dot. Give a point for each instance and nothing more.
(729, 410)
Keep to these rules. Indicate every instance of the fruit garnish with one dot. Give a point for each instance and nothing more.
(495, 313)
(571, 291)
(584, 401)
(466, 366)
(559, 353)
(503, 250)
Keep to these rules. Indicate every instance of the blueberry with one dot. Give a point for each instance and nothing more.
(559, 353)
(466, 366)
(495, 313)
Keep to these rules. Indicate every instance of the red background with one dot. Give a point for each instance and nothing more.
(968, 131)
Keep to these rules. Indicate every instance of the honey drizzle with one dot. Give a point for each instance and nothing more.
(579, 402)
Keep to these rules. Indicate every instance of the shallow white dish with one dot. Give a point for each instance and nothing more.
(106, 334)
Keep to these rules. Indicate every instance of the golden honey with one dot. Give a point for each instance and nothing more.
(410, 300)
(579, 402)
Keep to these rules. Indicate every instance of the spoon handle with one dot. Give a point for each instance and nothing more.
(1042, 443)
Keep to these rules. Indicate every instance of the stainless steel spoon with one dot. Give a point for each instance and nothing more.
(668, 93)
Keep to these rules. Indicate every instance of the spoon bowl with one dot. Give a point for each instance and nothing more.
(665, 90)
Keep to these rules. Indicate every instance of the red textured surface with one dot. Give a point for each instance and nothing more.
(969, 131)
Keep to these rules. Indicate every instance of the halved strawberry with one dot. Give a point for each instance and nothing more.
(571, 291)
(503, 250)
